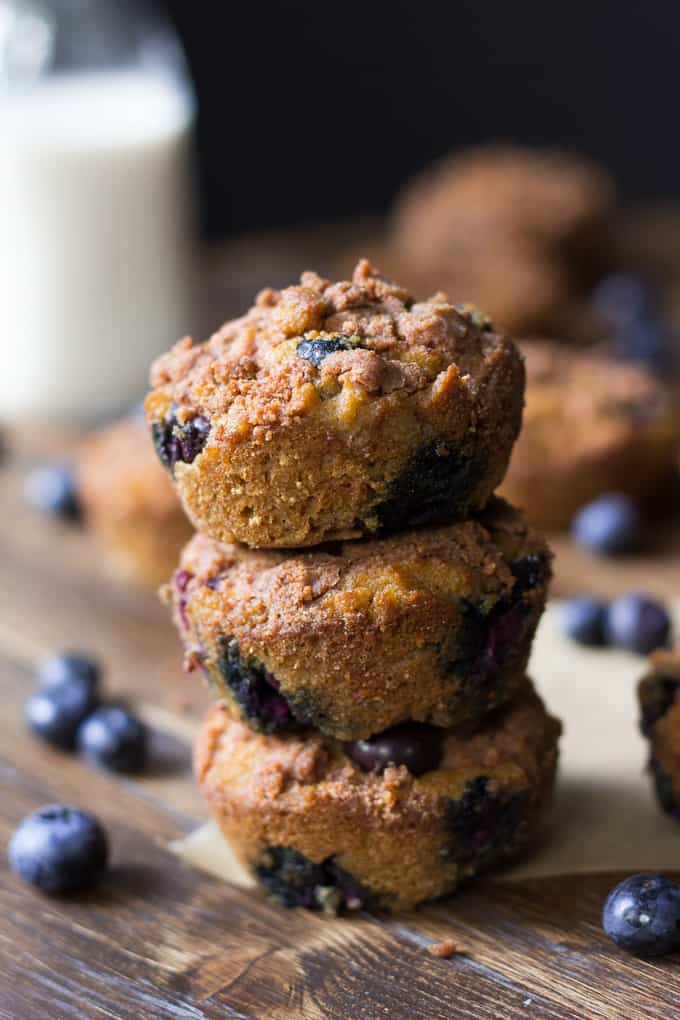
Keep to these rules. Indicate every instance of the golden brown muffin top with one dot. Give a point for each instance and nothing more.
(254, 372)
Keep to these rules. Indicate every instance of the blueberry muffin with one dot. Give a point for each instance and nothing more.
(379, 824)
(659, 696)
(433, 625)
(591, 425)
(332, 411)
(512, 229)
(130, 504)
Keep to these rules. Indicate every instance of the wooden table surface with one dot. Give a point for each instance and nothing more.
(158, 939)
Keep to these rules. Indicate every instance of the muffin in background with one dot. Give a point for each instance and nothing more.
(129, 503)
(516, 231)
(592, 424)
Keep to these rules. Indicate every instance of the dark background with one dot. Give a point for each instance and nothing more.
(313, 110)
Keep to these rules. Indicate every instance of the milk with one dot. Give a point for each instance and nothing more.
(95, 239)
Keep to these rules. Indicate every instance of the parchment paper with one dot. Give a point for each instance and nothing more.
(605, 816)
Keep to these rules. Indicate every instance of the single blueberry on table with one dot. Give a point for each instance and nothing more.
(318, 350)
(637, 623)
(583, 620)
(59, 849)
(608, 526)
(55, 712)
(51, 488)
(68, 667)
(114, 738)
(642, 915)
(415, 745)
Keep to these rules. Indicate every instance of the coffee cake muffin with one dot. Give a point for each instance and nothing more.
(433, 625)
(510, 228)
(382, 824)
(659, 696)
(332, 411)
(591, 425)
(130, 504)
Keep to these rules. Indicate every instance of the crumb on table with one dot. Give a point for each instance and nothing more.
(443, 949)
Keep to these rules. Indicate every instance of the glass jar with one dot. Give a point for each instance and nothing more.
(96, 247)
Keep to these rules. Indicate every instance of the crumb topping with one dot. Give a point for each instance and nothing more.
(253, 371)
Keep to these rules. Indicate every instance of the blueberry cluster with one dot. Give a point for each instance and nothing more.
(59, 848)
(634, 622)
(66, 711)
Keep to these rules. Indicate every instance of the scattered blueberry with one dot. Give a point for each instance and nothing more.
(54, 713)
(52, 489)
(637, 623)
(59, 849)
(68, 666)
(583, 620)
(609, 525)
(115, 738)
(642, 915)
(415, 745)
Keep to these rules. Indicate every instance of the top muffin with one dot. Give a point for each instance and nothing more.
(335, 410)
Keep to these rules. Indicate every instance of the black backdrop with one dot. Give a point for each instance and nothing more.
(313, 110)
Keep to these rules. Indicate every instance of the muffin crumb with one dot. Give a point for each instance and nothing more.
(443, 949)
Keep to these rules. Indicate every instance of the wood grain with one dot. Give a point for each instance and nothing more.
(159, 940)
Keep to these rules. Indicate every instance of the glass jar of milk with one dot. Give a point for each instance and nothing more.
(95, 204)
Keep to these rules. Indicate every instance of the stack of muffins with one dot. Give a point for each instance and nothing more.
(363, 605)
